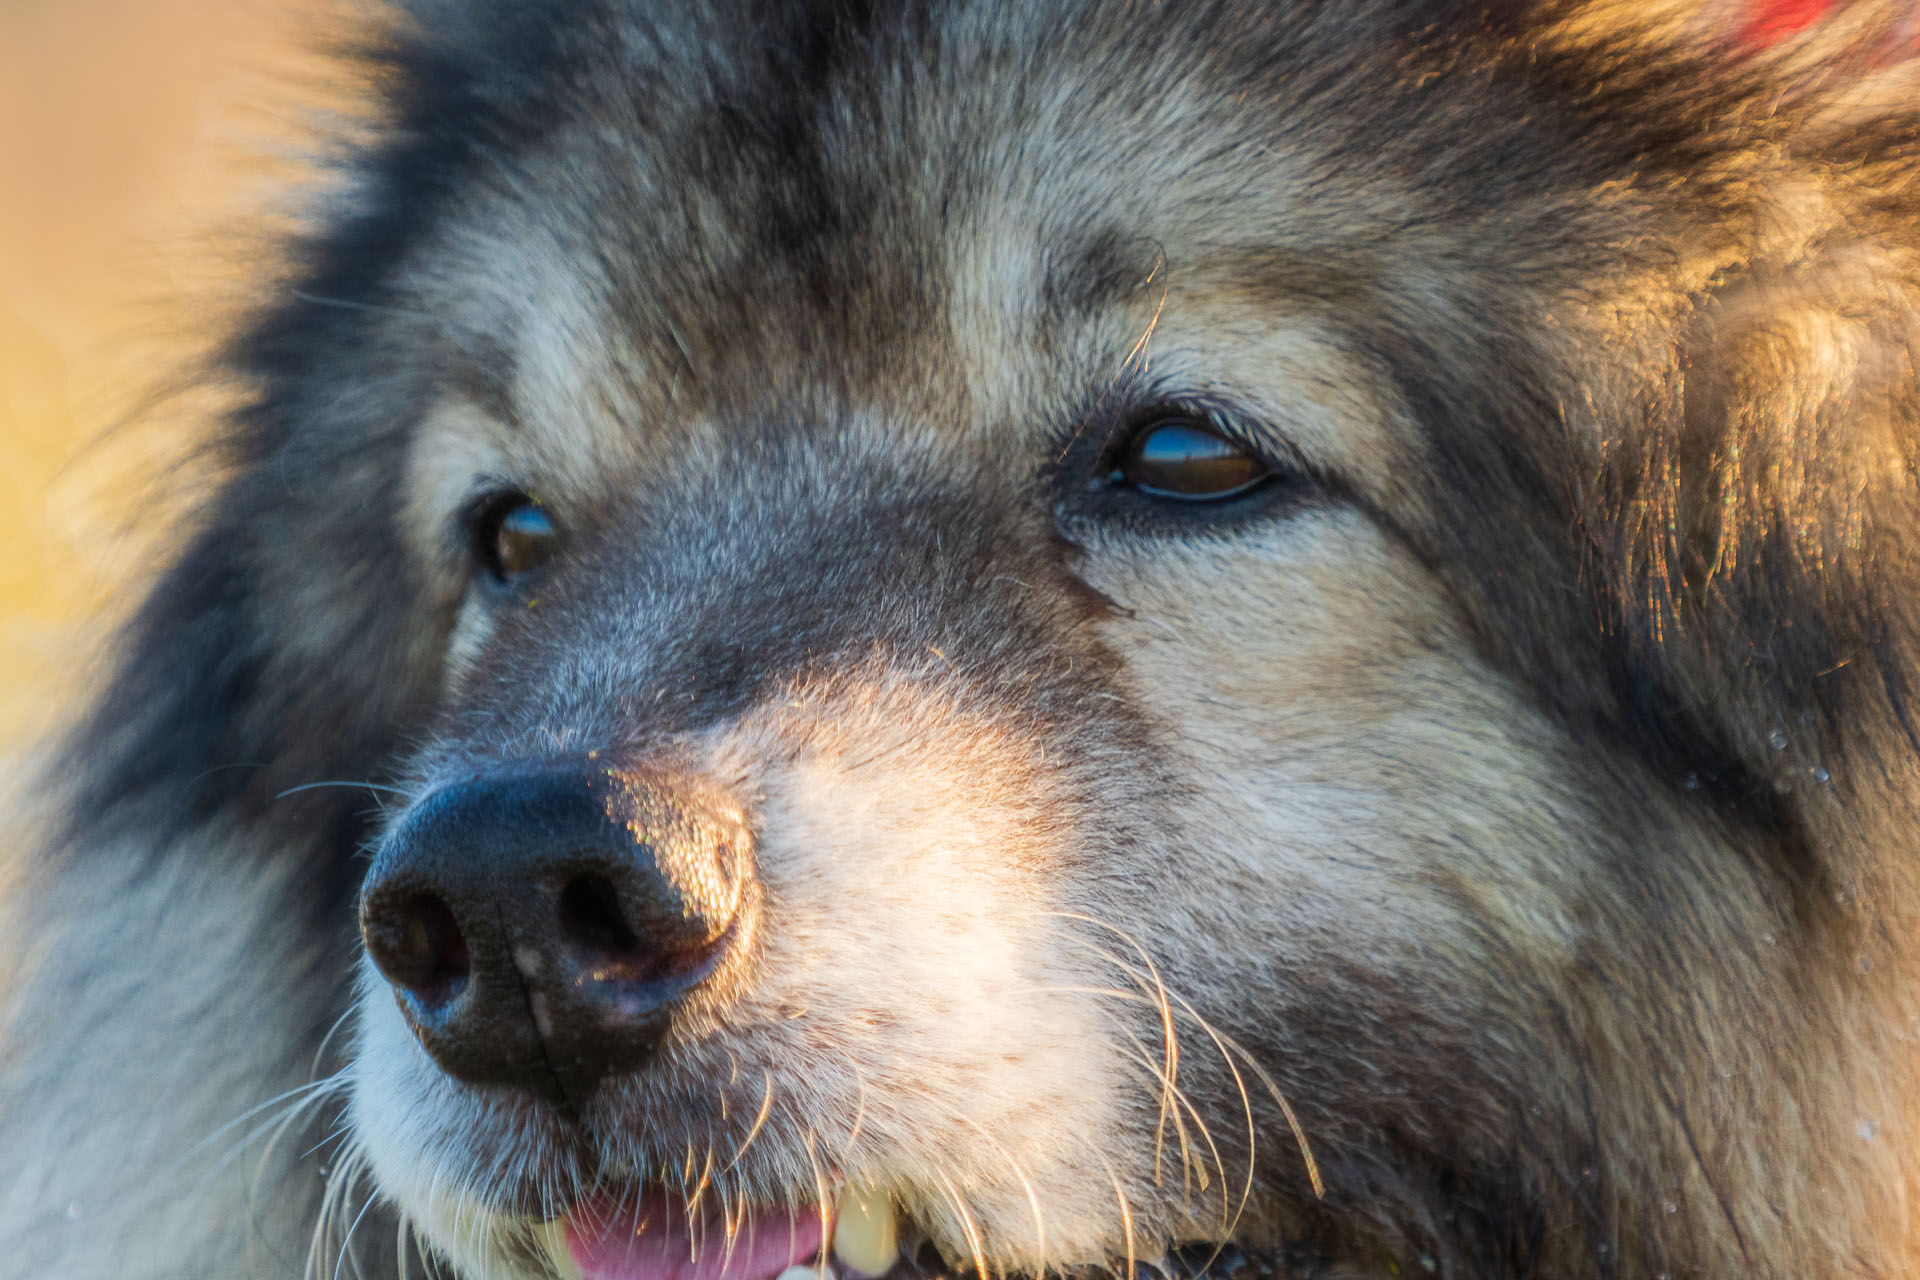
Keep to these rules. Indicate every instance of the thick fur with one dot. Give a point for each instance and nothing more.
(1491, 853)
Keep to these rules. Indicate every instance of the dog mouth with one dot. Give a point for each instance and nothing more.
(655, 1234)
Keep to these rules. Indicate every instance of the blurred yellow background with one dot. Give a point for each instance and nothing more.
(131, 144)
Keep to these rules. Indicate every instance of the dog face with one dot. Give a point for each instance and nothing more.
(1007, 520)
(1020, 639)
(980, 704)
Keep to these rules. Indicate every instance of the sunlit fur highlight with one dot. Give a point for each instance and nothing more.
(1489, 857)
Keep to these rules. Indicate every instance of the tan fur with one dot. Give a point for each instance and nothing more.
(1313, 879)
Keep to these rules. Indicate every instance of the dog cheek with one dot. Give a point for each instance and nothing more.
(1353, 766)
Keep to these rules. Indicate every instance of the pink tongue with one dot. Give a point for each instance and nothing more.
(656, 1240)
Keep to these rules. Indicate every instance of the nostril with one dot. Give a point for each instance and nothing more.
(541, 925)
(417, 944)
(591, 918)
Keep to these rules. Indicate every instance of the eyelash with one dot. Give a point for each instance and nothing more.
(1096, 488)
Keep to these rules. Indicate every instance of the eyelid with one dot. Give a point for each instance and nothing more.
(1092, 484)
(1217, 415)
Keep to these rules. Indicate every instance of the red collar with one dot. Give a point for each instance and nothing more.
(1769, 21)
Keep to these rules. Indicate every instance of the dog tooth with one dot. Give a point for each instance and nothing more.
(866, 1236)
(807, 1271)
(554, 1236)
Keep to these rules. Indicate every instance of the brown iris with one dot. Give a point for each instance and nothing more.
(512, 536)
(1182, 459)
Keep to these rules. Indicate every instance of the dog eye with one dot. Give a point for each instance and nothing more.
(1186, 460)
(511, 535)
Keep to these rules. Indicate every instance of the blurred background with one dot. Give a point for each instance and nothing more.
(138, 142)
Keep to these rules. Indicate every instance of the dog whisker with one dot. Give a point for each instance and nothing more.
(759, 1122)
(377, 788)
(976, 1246)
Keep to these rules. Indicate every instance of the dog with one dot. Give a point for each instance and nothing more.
(915, 637)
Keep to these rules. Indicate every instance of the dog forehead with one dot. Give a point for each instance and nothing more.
(946, 253)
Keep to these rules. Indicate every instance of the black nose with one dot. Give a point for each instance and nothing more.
(539, 926)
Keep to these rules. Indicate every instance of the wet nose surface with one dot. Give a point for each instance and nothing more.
(539, 925)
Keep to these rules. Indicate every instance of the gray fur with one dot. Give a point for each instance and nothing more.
(1485, 850)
